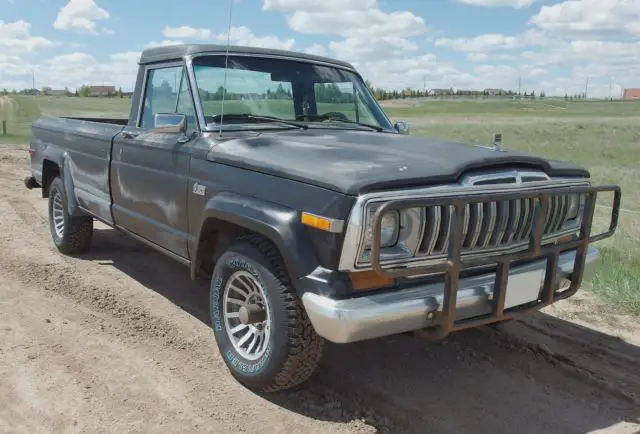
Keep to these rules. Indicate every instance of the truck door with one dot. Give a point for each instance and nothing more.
(149, 170)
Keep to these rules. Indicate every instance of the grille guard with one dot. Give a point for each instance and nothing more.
(454, 263)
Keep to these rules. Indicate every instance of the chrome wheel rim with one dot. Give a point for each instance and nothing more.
(242, 290)
(58, 215)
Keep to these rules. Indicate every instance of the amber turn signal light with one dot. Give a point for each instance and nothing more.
(366, 280)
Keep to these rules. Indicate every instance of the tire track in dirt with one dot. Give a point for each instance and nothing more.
(134, 323)
(127, 296)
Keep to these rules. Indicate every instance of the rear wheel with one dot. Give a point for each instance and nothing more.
(70, 235)
(261, 328)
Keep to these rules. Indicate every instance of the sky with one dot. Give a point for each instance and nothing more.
(553, 46)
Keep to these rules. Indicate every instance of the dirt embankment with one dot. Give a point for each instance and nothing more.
(118, 341)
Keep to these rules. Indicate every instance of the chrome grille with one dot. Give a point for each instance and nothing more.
(496, 225)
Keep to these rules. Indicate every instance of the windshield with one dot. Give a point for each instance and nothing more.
(317, 95)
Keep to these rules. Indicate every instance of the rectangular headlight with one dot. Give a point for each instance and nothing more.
(389, 229)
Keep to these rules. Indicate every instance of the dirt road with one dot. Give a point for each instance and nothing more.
(118, 341)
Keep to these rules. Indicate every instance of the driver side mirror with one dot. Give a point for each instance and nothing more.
(169, 123)
(402, 127)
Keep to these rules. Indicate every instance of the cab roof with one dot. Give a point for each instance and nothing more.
(177, 52)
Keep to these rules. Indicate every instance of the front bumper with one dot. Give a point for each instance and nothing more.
(367, 317)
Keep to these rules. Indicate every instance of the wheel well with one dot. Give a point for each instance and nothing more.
(50, 171)
(215, 237)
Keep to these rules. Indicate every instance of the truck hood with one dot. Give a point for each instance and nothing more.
(356, 162)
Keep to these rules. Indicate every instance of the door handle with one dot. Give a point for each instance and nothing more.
(128, 135)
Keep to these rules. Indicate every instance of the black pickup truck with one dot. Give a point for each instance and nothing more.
(278, 176)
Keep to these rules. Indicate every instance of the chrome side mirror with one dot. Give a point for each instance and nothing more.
(402, 127)
(169, 123)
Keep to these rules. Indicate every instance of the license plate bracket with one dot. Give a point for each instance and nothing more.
(523, 288)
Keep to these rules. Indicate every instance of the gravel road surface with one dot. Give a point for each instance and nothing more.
(118, 340)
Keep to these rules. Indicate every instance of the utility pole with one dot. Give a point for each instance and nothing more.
(33, 79)
(586, 89)
(519, 86)
(610, 87)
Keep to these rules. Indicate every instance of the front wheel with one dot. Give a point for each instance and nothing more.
(260, 326)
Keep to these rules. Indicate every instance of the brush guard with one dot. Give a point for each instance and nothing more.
(454, 263)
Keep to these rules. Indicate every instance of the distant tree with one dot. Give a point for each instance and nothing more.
(67, 92)
(120, 94)
(5, 91)
(566, 97)
(76, 93)
(84, 91)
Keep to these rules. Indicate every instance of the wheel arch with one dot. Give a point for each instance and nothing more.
(228, 216)
(58, 164)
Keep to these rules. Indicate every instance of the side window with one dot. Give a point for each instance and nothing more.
(161, 93)
(185, 103)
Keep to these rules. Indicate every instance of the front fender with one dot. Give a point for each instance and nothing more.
(279, 224)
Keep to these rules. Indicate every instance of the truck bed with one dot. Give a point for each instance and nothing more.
(81, 147)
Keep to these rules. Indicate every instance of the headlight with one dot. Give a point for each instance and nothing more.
(389, 228)
(575, 203)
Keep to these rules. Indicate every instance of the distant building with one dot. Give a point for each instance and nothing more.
(631, 94)
(102, 90)
(494, 92)
(439, 92)
(53, 92)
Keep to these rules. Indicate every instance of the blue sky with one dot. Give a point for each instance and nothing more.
(548, 45)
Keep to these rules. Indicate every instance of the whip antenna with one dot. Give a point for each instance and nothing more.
(226, 62)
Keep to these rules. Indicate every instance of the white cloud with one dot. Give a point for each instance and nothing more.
(80, 15)
(367, 30)
(11, 65)
(590, 18)
(75, 69)
(518, 4)
(357, 22)
(187, 32)
(482, 43)
(316, 49)
(244, 36)
(163, 43)
(15, 37)
(316, 5)
(241, 35)
(361, 48)
(477, 57)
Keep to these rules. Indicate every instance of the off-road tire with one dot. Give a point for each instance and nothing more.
(77, 232)
(294, 349)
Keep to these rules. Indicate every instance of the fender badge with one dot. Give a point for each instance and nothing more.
(199, 189)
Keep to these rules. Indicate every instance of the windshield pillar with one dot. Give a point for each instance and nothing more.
(188, 60)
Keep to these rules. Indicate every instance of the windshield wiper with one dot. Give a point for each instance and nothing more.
(259, 118)
(343, 120)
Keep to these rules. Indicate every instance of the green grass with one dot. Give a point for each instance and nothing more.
(26, 109)
(603, 136)
(510, 108)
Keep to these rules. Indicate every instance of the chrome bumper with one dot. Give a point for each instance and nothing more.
(368, 317)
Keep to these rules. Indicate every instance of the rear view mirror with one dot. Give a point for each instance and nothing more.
(169, 123)
(402, 127)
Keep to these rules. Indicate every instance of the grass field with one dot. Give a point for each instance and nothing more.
(603, 136)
